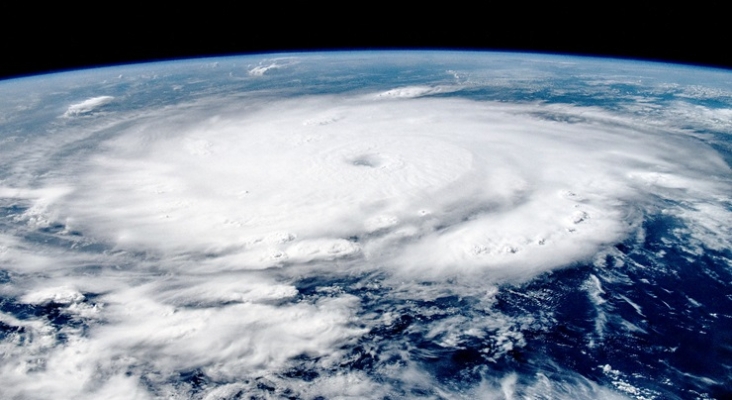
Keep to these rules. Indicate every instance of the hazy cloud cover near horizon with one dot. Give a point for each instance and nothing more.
(182, 233)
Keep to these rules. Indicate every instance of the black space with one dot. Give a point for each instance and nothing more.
(76, 39)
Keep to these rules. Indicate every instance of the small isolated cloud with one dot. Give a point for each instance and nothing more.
(87, 106)
(266, 66)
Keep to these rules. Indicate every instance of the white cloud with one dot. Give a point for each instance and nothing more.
(493, 177)
(87, 106)
(262, 69)
(409, 92)
(61, 295)
(266, 66)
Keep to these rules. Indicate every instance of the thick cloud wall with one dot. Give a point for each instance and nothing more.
(180, 244)
(423, 187)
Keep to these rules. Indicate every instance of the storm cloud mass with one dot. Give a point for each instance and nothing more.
(297, 227)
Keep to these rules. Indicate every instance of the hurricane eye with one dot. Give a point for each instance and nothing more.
(366, 160)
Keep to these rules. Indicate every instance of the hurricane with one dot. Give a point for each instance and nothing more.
(373, 225)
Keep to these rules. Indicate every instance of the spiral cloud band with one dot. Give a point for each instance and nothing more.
(180, 245)
(461, 186)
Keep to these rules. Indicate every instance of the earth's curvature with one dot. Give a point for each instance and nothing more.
(374, 225)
